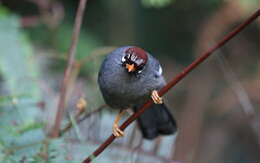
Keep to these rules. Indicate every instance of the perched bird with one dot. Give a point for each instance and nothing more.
(128, 77)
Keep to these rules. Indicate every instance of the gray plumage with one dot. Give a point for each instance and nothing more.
(122, 90)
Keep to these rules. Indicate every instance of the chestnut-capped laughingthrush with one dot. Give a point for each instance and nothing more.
(127, 78)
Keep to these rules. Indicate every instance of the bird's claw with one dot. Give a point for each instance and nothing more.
(117, 132)
(156, 98)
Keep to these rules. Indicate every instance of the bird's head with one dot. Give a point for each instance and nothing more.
(134, 59)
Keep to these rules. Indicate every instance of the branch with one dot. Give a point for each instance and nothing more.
(172, 83)
(78, 119)
(72, 52)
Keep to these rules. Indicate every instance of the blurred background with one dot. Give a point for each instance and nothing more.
(216, 106)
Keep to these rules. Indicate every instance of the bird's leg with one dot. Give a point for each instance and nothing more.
(116, 130)
(156, 98)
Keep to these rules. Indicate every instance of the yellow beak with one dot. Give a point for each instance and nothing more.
(130, 68)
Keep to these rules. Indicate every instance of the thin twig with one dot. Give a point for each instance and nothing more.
(91, 113)
(241, 94)
(236, 86)
(69, 125)
(172, 83)
(78, 119)
(97, 52)
(119, 147)
(72, 53)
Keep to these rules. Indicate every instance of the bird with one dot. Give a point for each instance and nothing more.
(127, 78)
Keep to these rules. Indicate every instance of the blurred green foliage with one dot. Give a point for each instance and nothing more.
(22, 127)
(22, 136)
(18, 126)
(60, 41)
(157, 3)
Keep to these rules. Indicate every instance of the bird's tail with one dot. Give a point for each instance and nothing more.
(156, 121)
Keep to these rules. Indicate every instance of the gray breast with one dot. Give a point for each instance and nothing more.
(121, 89)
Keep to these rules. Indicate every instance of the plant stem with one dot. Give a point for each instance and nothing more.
(78, 119)
(72, 52)
(173, 82)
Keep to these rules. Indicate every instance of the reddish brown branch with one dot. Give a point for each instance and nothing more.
(72, 51)
(173, 82)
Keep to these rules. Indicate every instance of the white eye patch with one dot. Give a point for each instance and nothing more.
(160, 70)
(123, 59)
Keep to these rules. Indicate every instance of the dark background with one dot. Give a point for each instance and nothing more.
(216, 106)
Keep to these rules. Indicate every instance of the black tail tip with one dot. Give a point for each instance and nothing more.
(153, 133)
(167, 130)
(157, 121)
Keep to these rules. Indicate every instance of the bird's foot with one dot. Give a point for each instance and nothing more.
(117, 132)
(156, 98)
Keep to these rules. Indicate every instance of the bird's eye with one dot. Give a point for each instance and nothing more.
(123, 59)
(140, 69)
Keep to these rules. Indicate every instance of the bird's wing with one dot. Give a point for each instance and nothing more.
(157, 68)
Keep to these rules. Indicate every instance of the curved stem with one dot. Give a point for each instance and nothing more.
(72, 52)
